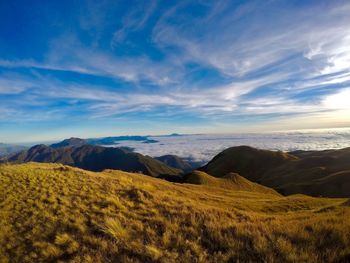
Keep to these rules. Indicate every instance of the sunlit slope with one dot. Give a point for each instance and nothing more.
(231, 181)
(52, 212)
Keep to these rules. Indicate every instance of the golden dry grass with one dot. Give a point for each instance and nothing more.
(52, 213)
(230, 181)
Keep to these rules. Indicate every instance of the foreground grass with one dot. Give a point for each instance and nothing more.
(51, 212)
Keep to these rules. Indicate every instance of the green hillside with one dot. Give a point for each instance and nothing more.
(56, 213)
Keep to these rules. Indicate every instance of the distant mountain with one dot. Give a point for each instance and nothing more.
(71, 142)
(101, 141)
(116, 139)
(97, 158)
(176, 162)
(317, 173)
(231, 181)
(6, 149)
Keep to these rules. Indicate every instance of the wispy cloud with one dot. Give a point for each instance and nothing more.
(213, 61)
(134, 21)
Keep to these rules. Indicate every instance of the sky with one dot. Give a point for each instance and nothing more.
(99, 68)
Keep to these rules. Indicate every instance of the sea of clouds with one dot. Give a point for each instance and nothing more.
(203, 147)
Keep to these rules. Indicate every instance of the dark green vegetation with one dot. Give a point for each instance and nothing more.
(52, 212)
(97, 158)
(6, 149)
(316, 173)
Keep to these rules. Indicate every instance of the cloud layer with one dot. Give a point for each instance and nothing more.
(202, 148)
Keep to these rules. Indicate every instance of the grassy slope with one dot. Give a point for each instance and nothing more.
(231, 181)
(51, 212)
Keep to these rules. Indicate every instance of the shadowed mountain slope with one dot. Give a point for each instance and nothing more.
(96, 158)
(318, 173)
(230, 181)
(176, 162)
(247, 161)
(324, 173)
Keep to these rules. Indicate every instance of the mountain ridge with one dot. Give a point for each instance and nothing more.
(316, 173)
(231, 181)
(96, 158)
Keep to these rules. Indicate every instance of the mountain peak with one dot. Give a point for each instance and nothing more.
(249, 162)
(96, 158)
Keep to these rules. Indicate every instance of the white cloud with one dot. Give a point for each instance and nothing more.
(204, 147)
(134, 21)
(290, 53)
(237, 48)
(340, 100)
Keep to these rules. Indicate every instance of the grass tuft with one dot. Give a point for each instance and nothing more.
(55, 213)
(114, 229)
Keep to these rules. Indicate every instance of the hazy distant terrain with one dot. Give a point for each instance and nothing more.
(6, 149)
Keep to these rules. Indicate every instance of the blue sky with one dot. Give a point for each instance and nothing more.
(98, 68)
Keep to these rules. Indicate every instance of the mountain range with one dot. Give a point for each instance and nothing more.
(96, 158)
(316, 173)
(73, 141)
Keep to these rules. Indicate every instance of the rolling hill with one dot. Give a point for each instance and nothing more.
(247, 161)
(324, 173)
(231, 181)
(58, 213)
(97, 158)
